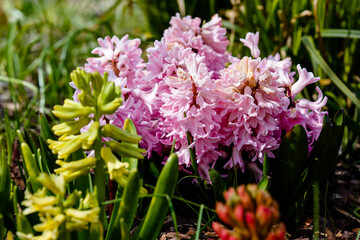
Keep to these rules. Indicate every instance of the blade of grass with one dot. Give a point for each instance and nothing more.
(173, 215)
(29, 85)
(315, 56)
(198, 230)
(316, 230)
(340, 33)
(271, 14)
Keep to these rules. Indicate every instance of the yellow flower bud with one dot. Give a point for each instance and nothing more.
(50, 224)
(117, 170)
(39, 202)
(54, 183)
(71, 110)
(70, 127)
(71, 176)
(119, 134)
(90, 136)
(87, 163)
(90, 215)
(126, 149)
(72, 199)
(111, 107)
(90, 201)
(72, 170)
(65, 146)
(76, 225)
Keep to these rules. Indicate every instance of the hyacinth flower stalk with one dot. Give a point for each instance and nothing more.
(85, 130)
(57, 213)
(252, 213)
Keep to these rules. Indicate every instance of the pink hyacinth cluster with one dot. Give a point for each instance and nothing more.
(185, 95)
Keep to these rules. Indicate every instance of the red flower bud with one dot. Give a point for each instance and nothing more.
(239, 215)
(223, 212)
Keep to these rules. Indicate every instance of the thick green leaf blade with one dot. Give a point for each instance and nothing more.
(159, 205)
(128, 206)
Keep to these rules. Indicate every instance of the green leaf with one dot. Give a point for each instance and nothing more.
(2, 227)
(23, 224)
(4, 181)
(31, 166)
(127, 208)
(340, 33)
(116, 207)
(95, 231)
(264, 183)
(326, 148)
(218, 184)
(47, 157)
(290, 162)
(159, 205)
(316, 57)
(45, 129)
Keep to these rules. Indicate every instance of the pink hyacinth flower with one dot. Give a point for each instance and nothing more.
(251, 41)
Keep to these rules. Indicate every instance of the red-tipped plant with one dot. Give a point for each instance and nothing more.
(251, 212)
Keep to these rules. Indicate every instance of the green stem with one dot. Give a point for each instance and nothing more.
(316, 211)
(99, 177)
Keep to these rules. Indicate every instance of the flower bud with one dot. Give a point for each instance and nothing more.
(251, 212)
(108, 93)
(70, 127)
(90, 201)
(55, 184)
(117, 170)
(85, 163)
(239, 215)
(72, 199)
(90, 215)
(126, 149)
(66, 147)
(98, 82)
(110, 107)
(119, 134)
(222, 232)
(245, 198)
(90, 136)
(71, 110)
(86, 100)
(50, 224)
(222, 211)
(81, 79)
(39, 202)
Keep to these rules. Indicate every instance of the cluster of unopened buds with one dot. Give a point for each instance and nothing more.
(252, 213)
